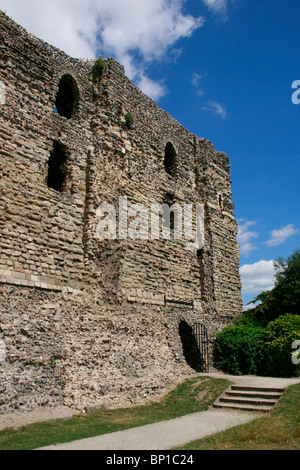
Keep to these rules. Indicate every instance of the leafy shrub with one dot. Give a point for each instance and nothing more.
(128, 120)
(280, 335)
(99, 67)
(253, 317)
(260, 340)
(239, 350)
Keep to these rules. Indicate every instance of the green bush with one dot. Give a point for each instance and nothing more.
(260, 340)
(239, 350)
(251, 318)
(279, 337)
(99, 67)
(128, 120)
(244, 348)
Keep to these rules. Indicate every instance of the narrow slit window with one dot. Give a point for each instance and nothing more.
(170, 161)
(67, 97)
(57, 168)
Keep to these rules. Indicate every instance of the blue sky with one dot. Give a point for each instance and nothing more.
(224, 69)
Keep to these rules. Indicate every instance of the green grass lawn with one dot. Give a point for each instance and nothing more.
(278, 430)
(193, 395)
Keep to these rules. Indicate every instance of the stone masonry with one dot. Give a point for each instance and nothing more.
(86, 321)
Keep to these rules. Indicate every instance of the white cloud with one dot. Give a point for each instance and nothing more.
(70, 25)
(196, 79)
(217, 6)
(245, 235)
(257, 277)
(151, 27)
(135, 32)
(215, 108)
(200, 92)
(152, 88)
(281, 235)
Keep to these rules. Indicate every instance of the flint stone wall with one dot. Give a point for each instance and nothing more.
(83, 320)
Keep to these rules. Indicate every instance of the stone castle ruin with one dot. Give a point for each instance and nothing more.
(86, 320)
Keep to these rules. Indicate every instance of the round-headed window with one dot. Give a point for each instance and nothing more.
(170, 161)
(57, 167)
(67, 96)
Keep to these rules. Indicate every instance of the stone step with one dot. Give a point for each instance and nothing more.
(257, 389)
(238, 397)
(254, 394)
(243, 407)
(247, 401)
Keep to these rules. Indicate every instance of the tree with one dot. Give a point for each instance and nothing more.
(280, 335)
(260, 340)
(285, 296)
(287, 286)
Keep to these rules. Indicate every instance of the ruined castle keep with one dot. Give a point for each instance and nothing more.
(83, 320)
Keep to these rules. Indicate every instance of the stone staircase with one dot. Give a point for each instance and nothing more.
(241, 397)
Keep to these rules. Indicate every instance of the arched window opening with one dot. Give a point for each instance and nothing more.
(170, 161)
(168, 215)
(67, 96)
(57, 168)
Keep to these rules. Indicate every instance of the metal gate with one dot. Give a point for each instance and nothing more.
(195, 346)
(200, 334)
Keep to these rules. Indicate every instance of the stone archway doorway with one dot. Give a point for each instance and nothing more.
(194, 341)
